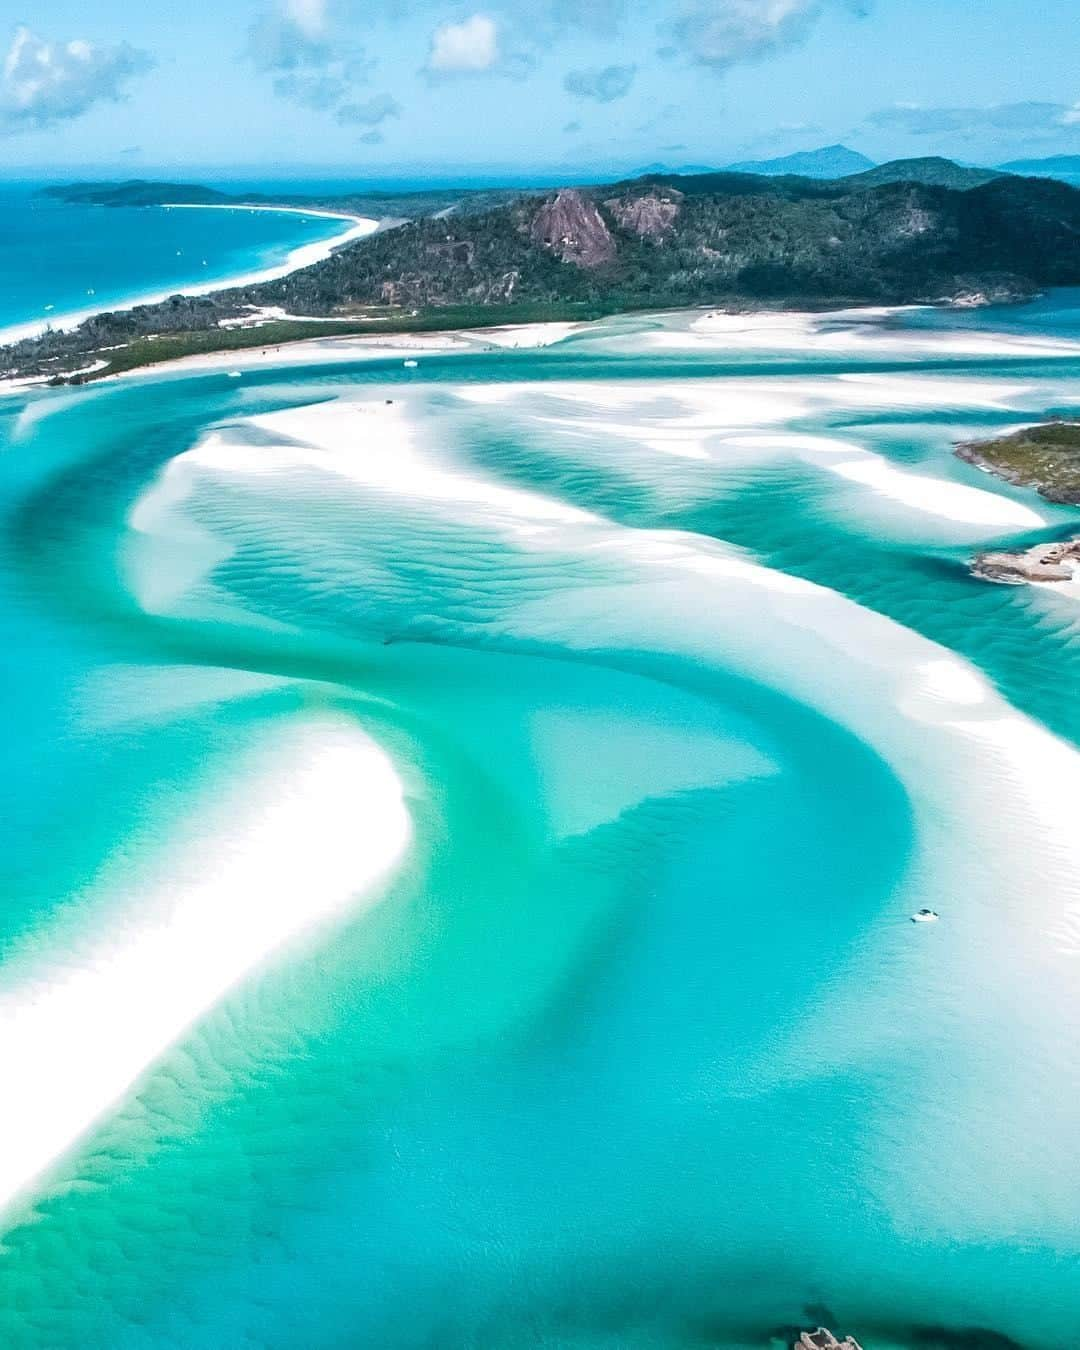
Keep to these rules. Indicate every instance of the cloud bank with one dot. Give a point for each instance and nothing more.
(1023, 119)
(724, 33)
(45, 83)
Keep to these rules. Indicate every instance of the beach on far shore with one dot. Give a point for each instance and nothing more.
(304, 255)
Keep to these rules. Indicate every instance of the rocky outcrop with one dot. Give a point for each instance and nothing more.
(823, 1339)
(1044, 562)
(573, 229)
(1045, 457)
(650, 217)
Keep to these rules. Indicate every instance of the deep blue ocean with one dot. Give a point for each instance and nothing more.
(58, 259)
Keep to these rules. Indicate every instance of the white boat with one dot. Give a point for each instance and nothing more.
(925, 916)
(411, 364)
(235, 374)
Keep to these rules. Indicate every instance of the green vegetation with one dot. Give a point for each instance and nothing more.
(137, 192)
(155, 348)
(932, 170)
(1045, 457)
(664, 241)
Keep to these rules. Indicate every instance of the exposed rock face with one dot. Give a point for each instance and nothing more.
(573, 229)
(651, 216)
(1044, 562)
(823, 1339)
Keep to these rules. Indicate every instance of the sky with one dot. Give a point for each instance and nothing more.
(384, 88)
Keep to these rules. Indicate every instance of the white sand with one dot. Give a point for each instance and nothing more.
(339, 350)
(865, 332)
(373, 445)
(302, 831)
(718, 422)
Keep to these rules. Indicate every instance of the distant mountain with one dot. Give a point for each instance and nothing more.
(831, 161)
(1064, 167)
(933, 171)
(658, 170)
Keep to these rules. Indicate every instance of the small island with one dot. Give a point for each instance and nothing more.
(1044, 562)
(1045, 457)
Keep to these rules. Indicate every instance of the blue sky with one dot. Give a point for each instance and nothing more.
(382, 87)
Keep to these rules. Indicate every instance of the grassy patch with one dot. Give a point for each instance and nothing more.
(159, 347)
(1045, 457)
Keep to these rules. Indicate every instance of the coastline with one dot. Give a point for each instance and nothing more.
(303, 255)
(342, 348)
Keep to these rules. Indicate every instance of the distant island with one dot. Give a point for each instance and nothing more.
(915, 231)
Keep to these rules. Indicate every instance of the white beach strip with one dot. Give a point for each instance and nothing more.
(359, 227)
(302, 831)
(920, 492)
(869, 332)
(716, 421)
(338, 349)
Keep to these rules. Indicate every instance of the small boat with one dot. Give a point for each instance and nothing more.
(925, 916)
(235, 374)
(410, 364)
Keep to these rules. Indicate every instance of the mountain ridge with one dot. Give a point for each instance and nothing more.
(828, 161)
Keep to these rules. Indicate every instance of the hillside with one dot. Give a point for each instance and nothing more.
(831, 161)
(933, 171)
(716, 239)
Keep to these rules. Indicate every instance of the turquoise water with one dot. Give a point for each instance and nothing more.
(58, 259)
(631, 1042)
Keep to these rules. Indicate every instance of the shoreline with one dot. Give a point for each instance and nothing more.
(808, 331)
(302, 255)
(333, 348)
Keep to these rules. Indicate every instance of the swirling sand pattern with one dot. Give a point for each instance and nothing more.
(647, 705)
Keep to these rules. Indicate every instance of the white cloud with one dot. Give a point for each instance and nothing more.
(1028, 119)
(289, 37)
(43, 83)
(722, 33)
(308, 15)
(311, 64)
(467, 48)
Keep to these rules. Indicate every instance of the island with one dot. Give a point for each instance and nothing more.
(737, 241)
(1045, 457)
(1043, 562)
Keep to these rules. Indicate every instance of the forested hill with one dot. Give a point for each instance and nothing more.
(662, 241)
(709, 240)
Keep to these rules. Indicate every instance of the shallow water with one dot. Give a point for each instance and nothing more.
(460, 851)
